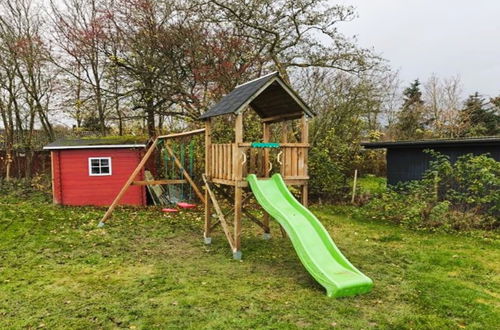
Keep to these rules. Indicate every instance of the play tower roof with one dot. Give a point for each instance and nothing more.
(269, 96)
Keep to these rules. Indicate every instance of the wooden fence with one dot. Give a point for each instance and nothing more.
(40, 163)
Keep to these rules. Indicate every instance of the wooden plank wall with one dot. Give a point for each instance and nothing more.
(222, 161)
(294, 164)
(222, 155)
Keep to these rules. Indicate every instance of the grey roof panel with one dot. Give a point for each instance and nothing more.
(488, 140)
(275, 99)
(238, 96)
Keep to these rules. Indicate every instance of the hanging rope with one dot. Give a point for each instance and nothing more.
(185, 155)
(191, 161)
(182, 147)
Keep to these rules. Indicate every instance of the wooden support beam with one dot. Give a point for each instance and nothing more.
(305, 195)
(154, 182)
(186, 174)
(266, 136)
(241, 183)
(254, 219)
(296, 182)
(304, 138)
(244, 211)
(304, 130)
(285, 130)
(238, 191)
(208, 170)
(182, 134)
(228, 213)
(287, 144)
(213, 225)
(237, 156)
(128, 182)
(218, 210)
(284, 139)
(288, 116)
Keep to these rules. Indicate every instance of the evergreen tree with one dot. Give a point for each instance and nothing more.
(411, 121)
(482, 117)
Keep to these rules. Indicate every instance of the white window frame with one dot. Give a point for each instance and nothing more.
(100, 158)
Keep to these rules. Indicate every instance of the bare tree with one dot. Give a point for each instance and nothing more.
(169, 64)
(79, 35)
(443, 99)
(25, 76)
(293, 33)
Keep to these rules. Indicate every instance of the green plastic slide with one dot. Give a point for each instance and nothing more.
(315, 248)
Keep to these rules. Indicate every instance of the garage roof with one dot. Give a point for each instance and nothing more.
(479, 141)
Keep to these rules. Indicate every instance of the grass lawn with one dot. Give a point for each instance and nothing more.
(371, 184)
(149, 270)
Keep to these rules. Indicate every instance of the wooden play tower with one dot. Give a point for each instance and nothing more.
(279, 108)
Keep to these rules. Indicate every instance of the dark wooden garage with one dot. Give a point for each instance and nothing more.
(406, 160)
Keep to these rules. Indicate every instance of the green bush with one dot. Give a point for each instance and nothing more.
(328, 167)
(460, 196)
(472, 183)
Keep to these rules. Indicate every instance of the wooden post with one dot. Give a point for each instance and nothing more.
(436, 185)
(266, 136)
(354, 186)
(238, 191)
(305, 194)
(208, 163)
(218, 210)
(284, 139)
(304, 138)
(8, 165)
(229, 198)
(285, 131)
(128, 183)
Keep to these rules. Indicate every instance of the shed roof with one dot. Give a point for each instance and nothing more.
(268, 95)
(98, 143)
(480, 141)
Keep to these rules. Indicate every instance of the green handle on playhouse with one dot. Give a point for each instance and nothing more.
(314, 246)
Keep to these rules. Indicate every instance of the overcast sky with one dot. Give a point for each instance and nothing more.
(445, 37)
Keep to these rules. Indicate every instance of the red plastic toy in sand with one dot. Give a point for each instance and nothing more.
(186, 205)
(168, 210)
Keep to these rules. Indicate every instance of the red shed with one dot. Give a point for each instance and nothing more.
(92, 171)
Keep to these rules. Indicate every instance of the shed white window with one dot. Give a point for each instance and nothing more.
(99, 166)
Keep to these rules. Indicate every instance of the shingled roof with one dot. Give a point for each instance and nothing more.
(268, 95)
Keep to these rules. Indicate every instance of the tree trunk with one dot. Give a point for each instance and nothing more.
(120, 123)
(100, 110)
(150, 115)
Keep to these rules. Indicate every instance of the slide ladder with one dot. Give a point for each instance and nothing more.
(314, 246)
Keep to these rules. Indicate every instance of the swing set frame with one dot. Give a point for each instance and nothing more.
(131, 180)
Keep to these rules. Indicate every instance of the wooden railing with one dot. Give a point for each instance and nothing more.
(294, 161)
(222, 161)
(290, 159)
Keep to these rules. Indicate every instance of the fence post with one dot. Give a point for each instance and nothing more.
(354, 186)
